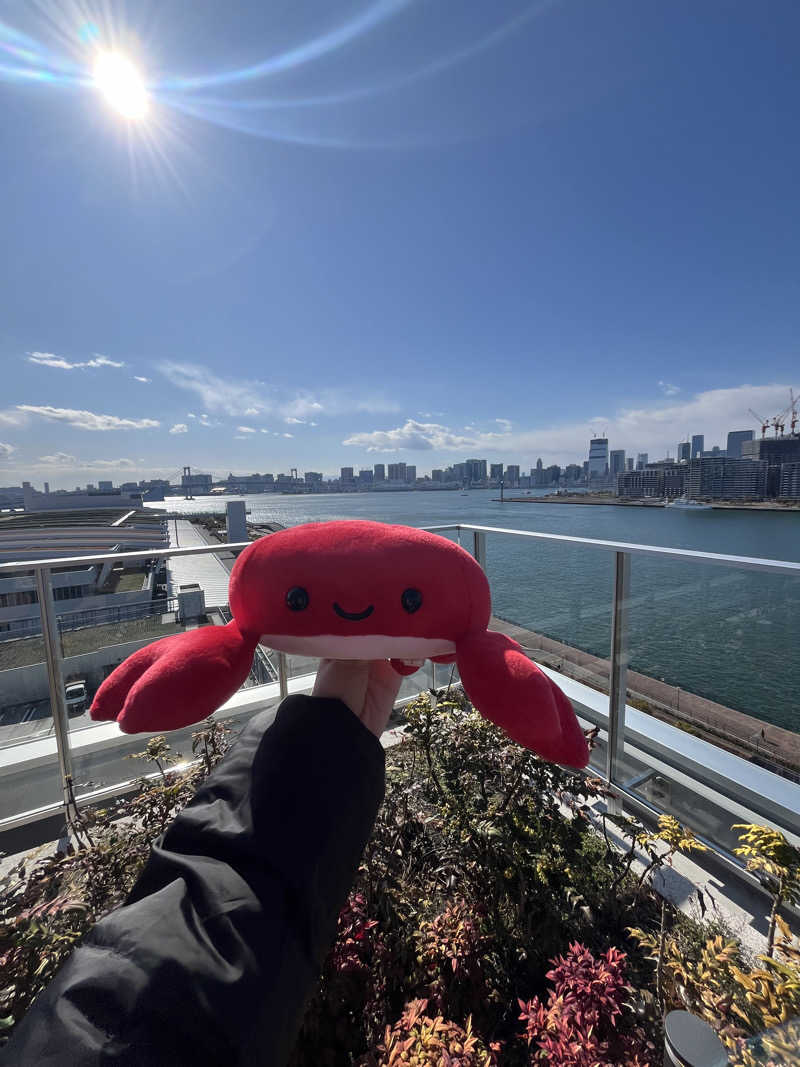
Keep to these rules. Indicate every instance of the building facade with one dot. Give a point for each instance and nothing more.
(722, 478)
(736, 438)
(598, 457)
(698, 444)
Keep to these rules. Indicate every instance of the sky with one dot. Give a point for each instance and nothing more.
(376, 230)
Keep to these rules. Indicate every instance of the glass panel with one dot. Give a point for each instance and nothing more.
(555, 601)
(24, 693)
(713, 654)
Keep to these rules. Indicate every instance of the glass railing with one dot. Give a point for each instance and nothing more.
(684, 661)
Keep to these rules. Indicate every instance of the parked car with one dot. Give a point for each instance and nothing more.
(75, 695)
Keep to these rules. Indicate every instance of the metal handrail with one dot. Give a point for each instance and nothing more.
(754, 563)
(105, 557)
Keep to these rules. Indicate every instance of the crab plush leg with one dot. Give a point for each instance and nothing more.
(175, 681)
(512, 692)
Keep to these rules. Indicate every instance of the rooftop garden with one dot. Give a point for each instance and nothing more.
(499, 916)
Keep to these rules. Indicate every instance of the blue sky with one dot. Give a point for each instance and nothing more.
(348, 233)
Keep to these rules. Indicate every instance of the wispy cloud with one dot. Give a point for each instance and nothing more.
(288, 435)
(87, 420)
(246, 429)
(504, 424)
(250, 398)
(49, 359)
(66, 461)
(141, 378)
(668, 389)
(179, 427)
(6, 450)
(13, 417)
(293, 421)
(226, 396)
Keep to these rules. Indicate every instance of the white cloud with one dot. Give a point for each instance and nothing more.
(288, 435)
(191, 415)
(6, 450)
(504, 424)
(140, 378)
(414, 436)
(101, 361)
(252, 411)
(669, 390)
(292, 420)
(48, 359)
(87, 420)
(264, 431)
(656, 429)
(179, 427)
(66, 461)
(246, 429)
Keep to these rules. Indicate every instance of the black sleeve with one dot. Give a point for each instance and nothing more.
(213, 955)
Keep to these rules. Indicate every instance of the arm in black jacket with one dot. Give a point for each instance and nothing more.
(211, 959)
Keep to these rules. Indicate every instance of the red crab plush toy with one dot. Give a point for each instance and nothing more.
(349, 590)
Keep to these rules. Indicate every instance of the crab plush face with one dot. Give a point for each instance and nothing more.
(359, 590)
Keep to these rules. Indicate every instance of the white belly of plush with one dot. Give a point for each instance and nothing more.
(360, 646)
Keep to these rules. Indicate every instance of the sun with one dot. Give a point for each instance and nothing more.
(121, 84)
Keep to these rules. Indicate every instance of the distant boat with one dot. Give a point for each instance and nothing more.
(683, 503)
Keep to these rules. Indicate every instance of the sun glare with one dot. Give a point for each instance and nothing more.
(121, 84)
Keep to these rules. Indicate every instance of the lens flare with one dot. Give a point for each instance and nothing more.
(121, 84)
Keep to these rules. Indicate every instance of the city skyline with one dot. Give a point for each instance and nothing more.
(599, 461)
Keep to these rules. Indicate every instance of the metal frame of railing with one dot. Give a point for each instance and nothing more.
(614, 721)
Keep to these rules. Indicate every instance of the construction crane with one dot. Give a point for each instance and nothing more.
(765, 423)
(778, 422)
(794, 401)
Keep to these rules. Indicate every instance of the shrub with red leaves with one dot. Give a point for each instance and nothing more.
(577, 1027)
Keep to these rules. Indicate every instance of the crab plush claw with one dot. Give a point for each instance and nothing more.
(349, 590)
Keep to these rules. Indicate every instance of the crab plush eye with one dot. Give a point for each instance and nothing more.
(411, 600)
(297, 598)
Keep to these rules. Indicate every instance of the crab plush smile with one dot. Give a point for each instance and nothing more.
(424, 598)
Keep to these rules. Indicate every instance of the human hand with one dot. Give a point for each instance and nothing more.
(368, 687)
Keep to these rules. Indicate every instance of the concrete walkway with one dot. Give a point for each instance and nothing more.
(206, 570)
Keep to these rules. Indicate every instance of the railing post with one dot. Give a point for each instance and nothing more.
(480, 547)
(283, 676)
(618, 680)
(55, 678)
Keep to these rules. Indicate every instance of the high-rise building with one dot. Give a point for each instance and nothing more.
(512, 474)
(573, 472)
(411, 473)
(629, 464)
(790, 481)
(346, 475)
(365, 477)
(641, 461)
(312, 477)
(496, 472)
(698, 444)
(380, 472)
(684, 452)
(437, 475)
(598, 457)
(616, 461)
(476, 470)
(736, 439)
(397, 472)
